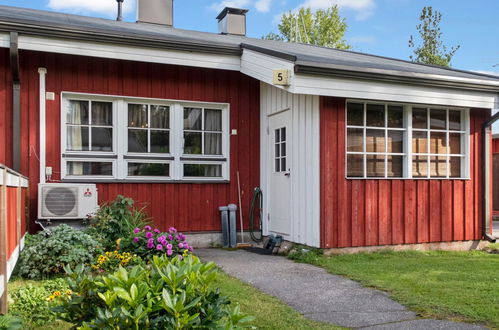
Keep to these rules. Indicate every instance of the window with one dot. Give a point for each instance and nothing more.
(378, 135)
(280, 150)
(106, 137)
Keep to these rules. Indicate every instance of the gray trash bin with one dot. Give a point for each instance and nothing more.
(224, 216)
(232, 225)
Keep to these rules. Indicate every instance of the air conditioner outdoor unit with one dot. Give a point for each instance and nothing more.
(66, 200)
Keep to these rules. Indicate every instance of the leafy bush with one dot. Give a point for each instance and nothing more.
(110, 261)
(116, 220)
(147, 242)
(30, 302)
(8, 322)
(168, 294)
(47, 252)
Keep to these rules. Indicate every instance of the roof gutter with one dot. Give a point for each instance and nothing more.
(16, 101)
(487, 176)
(130, 39)
(351, 74)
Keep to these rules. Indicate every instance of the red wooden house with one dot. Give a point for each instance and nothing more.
(350, 149)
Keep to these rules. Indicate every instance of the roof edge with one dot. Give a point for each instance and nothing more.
(270, 52)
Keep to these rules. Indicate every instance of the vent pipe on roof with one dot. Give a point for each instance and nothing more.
(155, 12)
(120, 10)
(232, 21)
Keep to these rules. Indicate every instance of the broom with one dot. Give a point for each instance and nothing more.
(242, 244)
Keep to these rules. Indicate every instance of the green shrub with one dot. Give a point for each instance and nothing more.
(167, 294)
(47, 252)
(30, 302)
(8, 322)
(116, 220)
(147, 242)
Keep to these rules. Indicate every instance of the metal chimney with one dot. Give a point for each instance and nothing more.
(155, 12)
(232, 21)
(120, 10)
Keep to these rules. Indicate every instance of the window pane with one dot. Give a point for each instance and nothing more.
(375, 165)
(77, 113)
(137, 140)
(89, 168)
(102, 139)
(355, 166)
(283, 149)
(375, 140)
(438, 118)
(213, 143)
(160, 116)
(277, 135)
(455, 143)
(438, 167)
(213, 120)
(192, 119)
(148, 169)
(419, 118)
(137, 115)
(160, 142)
(277, 164)
(277, 150)
(394, 164)
(395, 116)
(283, 134)
(395, 141)
(202, 170)
(354, 139)
(102, 113)
(455, 167)
(283, 165)
(455, 120)
(438, 143)
(355, 114)
(419, 166)
(375, 115)
(77, 138)
(192, 143)
(419, 142)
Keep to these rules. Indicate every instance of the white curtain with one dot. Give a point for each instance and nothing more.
(75, 133)
(213, 123)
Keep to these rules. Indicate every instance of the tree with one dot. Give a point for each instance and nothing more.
(432, 50)
(322, 28)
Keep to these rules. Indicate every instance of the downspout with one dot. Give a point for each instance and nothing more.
(16, 102)
(487, 152)
(42, 72)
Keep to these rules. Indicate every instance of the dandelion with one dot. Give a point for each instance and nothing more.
(149, 235)
(136, 230)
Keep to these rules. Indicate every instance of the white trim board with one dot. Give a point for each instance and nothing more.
(11, 263)
(261, 66)
(131, 53)
(4, 40)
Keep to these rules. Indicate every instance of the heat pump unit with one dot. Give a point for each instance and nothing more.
(66, 200)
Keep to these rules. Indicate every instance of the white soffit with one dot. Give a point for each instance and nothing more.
(261, 66)
(131, 53)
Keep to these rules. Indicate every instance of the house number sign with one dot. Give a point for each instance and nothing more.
(281, 77)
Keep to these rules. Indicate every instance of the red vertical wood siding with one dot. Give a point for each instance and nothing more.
(189, 207)
(11, 220)
(387, 212)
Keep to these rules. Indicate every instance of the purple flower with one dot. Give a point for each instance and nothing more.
(150, 245)
(157, 231)
(149, 234)
(191, 248)
(169, 246)
(147, 228)
(169, 252)
(136, 230)
(162, 238)
(180, 245)
(136, 239)
(172, 230)
(150, 240)
(186, 246)
(181, 237)
(159, 247)
(170, 237)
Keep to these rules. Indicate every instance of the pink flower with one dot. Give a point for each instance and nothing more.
(136, 230)
(170, 237)
(150, 245)
(181, 237)
(159, 247)
(191, 248)
(147, 228)
(148, 234)
(169, 252)
(157, 231)
(172, 230)
(169, 246)
(150, 240)
(136, 239)
(180, 245)
(186, 246)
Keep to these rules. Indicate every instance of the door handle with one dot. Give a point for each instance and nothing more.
(287, 174)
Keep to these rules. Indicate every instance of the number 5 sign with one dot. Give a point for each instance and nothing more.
(281, 77)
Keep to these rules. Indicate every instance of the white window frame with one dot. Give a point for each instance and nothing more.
(120, 157)
(407, 142)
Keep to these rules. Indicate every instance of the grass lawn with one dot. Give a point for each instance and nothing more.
(269, 312)
(461, 286)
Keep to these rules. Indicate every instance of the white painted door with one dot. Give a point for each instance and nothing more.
(280, 172)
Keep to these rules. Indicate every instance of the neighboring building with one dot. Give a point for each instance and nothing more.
(349, 149)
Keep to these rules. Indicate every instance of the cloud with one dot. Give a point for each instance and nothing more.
(107, 8)
(263, 5)
(218, 6)
(364, 8)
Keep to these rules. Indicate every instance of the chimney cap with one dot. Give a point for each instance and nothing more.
(231, 10)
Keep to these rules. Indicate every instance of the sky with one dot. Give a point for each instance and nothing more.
(380, 27)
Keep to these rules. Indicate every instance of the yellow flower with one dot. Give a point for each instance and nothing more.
(69, 292)
(50, 298)
(57, 293)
